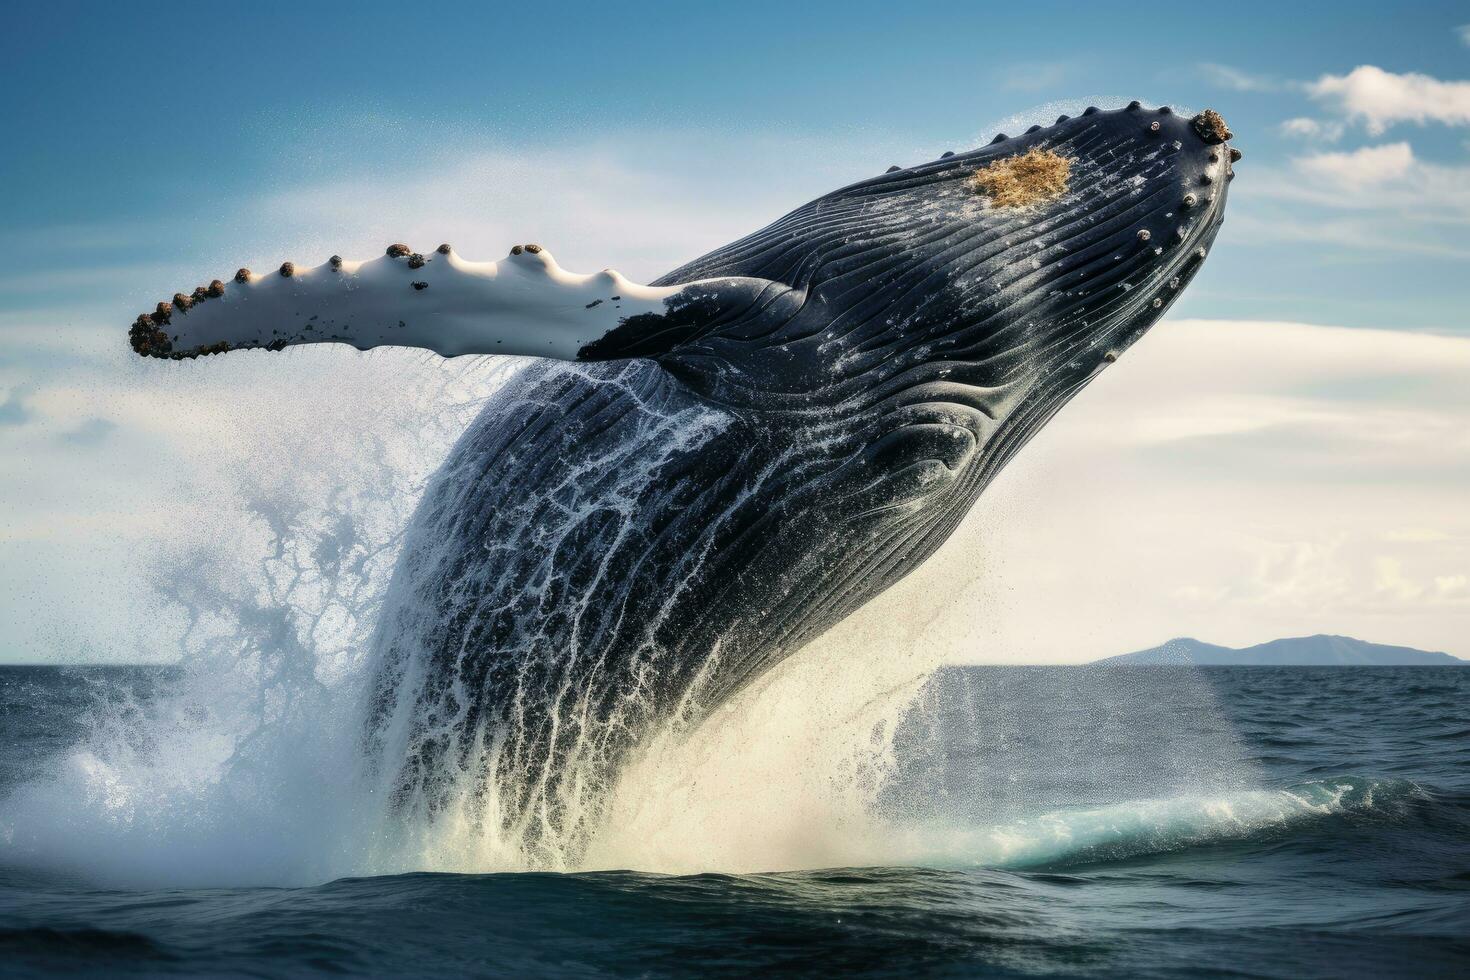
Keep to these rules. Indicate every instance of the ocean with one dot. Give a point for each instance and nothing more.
(1029, 821)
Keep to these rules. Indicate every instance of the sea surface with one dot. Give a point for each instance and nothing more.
(1269, 822)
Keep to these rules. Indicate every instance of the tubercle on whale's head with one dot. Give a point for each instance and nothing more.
(1039, 257)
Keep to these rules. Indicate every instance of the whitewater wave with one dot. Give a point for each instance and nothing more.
(1157, 826)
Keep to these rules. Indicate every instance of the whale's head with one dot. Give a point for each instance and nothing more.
(1020, 269)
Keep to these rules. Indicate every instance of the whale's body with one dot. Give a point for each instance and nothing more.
(760, 443)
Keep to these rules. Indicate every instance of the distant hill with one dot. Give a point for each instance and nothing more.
(1302, 651)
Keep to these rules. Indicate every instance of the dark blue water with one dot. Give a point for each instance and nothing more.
(1133, 822)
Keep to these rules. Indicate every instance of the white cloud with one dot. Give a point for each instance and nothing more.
(1464, 31)
(1378, 232)
(1389, 579)
(1380, 98)
(1415, 535)
(1361, 168)
(13, 409)
(1378, 198)
(1314, 129)
(1452, 585)
(92, 432)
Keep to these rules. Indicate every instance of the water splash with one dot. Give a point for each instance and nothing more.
(265, 588)
(248, 768)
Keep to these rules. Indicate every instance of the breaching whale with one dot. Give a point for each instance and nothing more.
(738, 455)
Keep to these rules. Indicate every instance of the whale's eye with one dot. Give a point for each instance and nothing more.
(1024, 180)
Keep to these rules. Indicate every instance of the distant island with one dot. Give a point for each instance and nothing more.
(1321, 650)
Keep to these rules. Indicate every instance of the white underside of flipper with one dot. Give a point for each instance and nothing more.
(525, 304)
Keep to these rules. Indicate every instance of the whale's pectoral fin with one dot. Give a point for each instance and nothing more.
(525, 304)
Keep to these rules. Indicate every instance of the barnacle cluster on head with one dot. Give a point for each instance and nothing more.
(1210, 126)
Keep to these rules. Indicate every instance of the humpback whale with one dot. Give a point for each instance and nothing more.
(700, 475)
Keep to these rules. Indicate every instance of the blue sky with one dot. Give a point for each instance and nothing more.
(150, 147)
